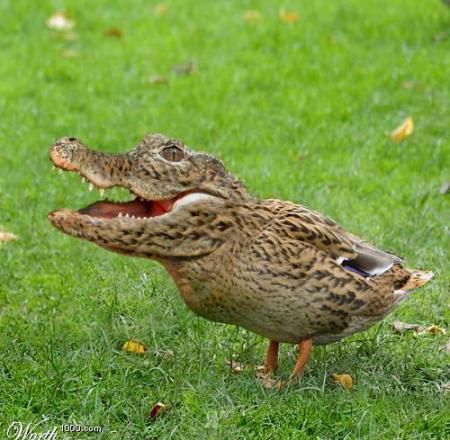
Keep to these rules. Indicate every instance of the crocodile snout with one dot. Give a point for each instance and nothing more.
(64, 152)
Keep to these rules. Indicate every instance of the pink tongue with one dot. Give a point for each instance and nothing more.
(111, 210)
(135, 208)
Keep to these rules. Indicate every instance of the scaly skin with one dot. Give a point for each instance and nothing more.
(270, 266)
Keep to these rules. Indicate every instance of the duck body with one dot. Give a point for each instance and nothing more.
(289, 282)
(274, 267)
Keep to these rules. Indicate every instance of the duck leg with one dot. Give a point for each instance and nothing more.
(305, 348)
(264, 372)
(271, 362)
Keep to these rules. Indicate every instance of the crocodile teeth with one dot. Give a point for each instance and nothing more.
(102, 192)
(83, 180)
(91, 186)
(60, 171)
(120, 214)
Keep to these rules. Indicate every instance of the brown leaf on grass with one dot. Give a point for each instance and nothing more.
(403, 327)
(403, 130)
(161, 9)
(158, 79)
(447, 347)
(237, 367)
(262, 373)
(187, 68)
(165, 354)
(288, 16)
(60, 21)
(268, 381)
(344, 380)
(69, 36)
(113, 32)
(446, 387)
(69, 53)
(134, 346)
(7, 236)
(409, 85)
(432, 330)
(439, 37)
(252, 16)
(158, 410)
(445, 188)
(419, 330)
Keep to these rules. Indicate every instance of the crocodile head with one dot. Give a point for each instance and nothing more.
(165, 179)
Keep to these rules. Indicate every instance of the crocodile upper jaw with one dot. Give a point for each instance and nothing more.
(64, 153)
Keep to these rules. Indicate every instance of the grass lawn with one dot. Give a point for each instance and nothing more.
(300, 111)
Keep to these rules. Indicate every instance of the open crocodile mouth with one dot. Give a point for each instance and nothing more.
(137, 208)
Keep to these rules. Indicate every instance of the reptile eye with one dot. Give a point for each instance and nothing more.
(172, 153)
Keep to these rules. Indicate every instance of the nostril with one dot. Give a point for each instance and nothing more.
(72, 139)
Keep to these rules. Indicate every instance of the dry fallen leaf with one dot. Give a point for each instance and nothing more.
(239, 367)
(419, 330)
(440, 37)
(269, 382)
(165, 354)
(403, 130)
(69, 53)
(60, 21)
(114, 32)
(236, 367)
(432, 330)
(133, 346)
(187, 68)
(161, 9)
(69, 36)
(445, 188)
(262, 373)
(402, 327)
(447, 347)
(7, 236)
(446, 387)
(158, 409)
(158, 79)
(409, 85)
(345, 380)
(288, 16)
(252, 16)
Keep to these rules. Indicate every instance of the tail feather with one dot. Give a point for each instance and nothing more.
(417, 279)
